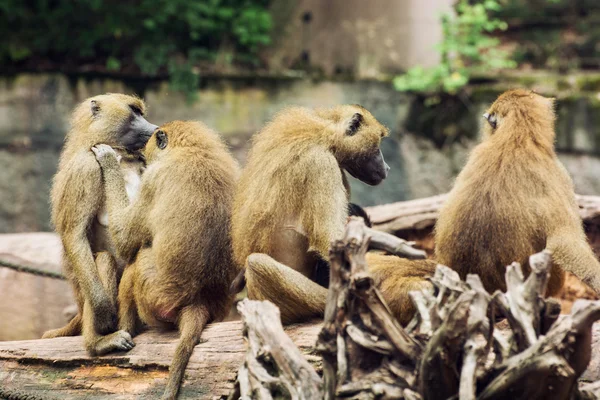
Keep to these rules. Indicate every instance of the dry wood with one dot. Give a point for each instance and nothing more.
(61, 369)
(394, 245)
(450, 349)
(273, 365)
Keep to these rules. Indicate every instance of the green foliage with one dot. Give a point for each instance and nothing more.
(467, 48)
(145, 35)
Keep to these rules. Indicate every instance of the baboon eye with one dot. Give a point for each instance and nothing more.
(161, 140)
(354, 124)
(491, 118)
(136, 109)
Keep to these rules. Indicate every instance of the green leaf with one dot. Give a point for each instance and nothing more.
(113, 64)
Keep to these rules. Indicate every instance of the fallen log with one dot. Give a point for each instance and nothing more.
(61, 369)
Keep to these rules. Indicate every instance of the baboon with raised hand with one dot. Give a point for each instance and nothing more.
(513, 199)
(175, 235)
(79, 216)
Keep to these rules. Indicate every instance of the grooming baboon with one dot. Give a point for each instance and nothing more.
(175, 234)
(513, 199)
(292, 202)
(79, 218)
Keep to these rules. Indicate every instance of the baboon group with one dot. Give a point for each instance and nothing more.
(161, 227)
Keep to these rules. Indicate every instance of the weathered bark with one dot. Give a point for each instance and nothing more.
(394, 245)
(273, 363)
(61, 369)
(450, 349)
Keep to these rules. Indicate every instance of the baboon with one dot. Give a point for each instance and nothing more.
(292, 202)
(513, 199)
(175, 235)
(79, 217)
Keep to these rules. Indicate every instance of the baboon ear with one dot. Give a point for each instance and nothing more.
(161, 139)
(95, 107)
(354, 123)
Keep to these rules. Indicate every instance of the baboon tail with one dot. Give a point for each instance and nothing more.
(192, 321)
(72, 328)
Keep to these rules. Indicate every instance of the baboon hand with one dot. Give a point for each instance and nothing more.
(105, 316)
(105, 154)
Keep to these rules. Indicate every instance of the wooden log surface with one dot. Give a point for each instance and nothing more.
(61, 369)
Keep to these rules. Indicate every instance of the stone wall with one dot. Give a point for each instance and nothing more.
(429, 142)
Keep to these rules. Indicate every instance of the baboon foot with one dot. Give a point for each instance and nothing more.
(117, 341)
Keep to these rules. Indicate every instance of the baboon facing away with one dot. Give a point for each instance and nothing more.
(79, 217)
(292, 201)
(513, 199)
(175, 235)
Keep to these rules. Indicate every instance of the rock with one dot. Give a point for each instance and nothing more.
(31, 304)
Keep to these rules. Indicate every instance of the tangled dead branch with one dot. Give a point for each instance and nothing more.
(451, 348)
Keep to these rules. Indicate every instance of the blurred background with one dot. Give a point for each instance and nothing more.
(425, 68)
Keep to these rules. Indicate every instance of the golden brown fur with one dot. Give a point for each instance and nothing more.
(300, 298)
(77, 213)
(176, 234)
(513, 199)
(292, 202)
(293, 184)
(395, 277)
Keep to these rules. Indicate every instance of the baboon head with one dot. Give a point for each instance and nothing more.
(356, 146)
(520, 110)
(115, 119)
(180, 134)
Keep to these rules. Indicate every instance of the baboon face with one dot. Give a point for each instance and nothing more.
(518, 105)
(359, 152)
(123, 116)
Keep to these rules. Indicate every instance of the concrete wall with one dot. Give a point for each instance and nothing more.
(427, 147)
(364, 39)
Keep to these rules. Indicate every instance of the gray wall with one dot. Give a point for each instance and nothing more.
(427, 147)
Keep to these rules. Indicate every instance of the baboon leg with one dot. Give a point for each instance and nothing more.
(192, 320)
(109, 271)
(73, 328)
(90, 285)
(97, 344)
(575, 256)
(297, 297)
(128, 315)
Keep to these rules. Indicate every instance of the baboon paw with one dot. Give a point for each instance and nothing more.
(123, 341)
(104, 151)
